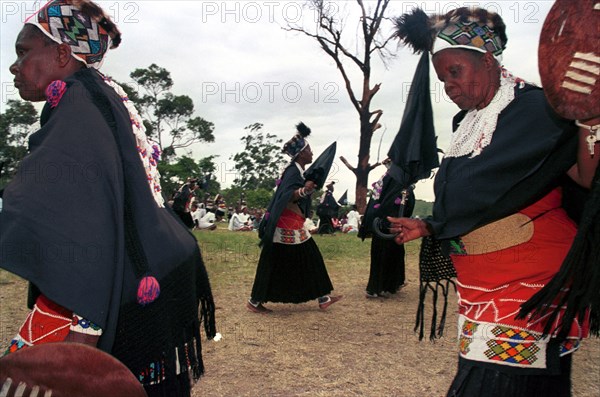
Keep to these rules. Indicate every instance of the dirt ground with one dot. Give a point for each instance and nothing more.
(358, 347)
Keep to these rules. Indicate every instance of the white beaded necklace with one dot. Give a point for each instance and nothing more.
(477, 127)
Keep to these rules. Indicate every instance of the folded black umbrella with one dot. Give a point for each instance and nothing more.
(319, 169)
(413, 153)
(414, 150)
(344, 199)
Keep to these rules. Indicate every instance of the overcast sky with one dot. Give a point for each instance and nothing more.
(240, 67)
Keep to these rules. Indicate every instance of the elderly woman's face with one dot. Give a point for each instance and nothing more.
(467, 78)
(34, 68)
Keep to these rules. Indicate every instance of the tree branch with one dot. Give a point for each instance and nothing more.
(372, 167)
(347, 164)
(342, 70)
(375, 123)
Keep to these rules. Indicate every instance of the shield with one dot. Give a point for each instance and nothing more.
(569, 58)
(66, 369)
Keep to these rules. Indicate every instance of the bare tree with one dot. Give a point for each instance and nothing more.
(328, 33)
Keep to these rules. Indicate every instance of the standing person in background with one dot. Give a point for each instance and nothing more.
(183, 199)
(291, 268)
(387, 272)
(132, 279)
(498, 209)
(327, 209)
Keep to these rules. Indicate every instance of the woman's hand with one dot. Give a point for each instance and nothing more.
(310, 185)
(408, 229)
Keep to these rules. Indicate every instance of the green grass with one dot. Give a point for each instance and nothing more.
(230, 256)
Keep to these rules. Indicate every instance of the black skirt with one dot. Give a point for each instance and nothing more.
(387, 266)
(291, 274)
(485, 380)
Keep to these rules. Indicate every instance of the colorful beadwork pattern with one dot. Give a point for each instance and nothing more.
(54, 92)
(63, 23)
(147, 149)
(290, 236)
(506, 345)
(16, 344)
(83, 326)
(512, 352)
(473, 35)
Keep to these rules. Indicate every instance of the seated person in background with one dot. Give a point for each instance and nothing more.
(207, 222)
(240, 221)
(197, 211)
(353, 221)
(258, 215)
(337, 225)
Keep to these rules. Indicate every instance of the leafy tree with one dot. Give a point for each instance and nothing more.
(16, 123)
(173, 175)
(255, 198)
(259, 164)
(328, 32)
(168, 117)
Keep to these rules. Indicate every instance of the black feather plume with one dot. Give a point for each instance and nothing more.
(303, 129)
(415, 30)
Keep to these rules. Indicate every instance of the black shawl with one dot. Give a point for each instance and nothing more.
(386, 205)
(64, 228)
(531, 149)
(290, 181)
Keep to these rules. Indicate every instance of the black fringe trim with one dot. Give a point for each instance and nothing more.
(435, 272)
(577, 284)
(170, 324)
(436, 329)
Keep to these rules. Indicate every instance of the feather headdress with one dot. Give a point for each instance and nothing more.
(298, 142)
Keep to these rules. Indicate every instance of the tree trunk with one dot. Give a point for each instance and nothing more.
(363, 167)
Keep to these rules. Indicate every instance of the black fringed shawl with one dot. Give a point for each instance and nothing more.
(64, 228)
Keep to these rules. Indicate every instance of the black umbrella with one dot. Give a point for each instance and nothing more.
(344, 199)
(319, 169)
(414, 150)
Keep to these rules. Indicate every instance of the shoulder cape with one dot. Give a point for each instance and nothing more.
(62, 224)
(291, 180)
(531, 149)
(329, 206)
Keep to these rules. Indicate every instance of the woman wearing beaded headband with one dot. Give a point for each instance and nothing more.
(498, 208)
(113, 267)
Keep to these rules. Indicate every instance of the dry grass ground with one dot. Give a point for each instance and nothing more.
(358, 347)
